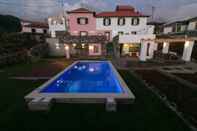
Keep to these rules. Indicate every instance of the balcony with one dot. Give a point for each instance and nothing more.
(82, 39)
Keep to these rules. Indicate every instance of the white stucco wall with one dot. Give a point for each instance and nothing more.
(142, 28)
(167, 30)
(55, 48)
(183, 27)
(29, 30)
(192, 25)
(56, 27)
(26, 29)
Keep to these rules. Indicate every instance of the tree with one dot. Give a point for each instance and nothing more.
(9, 24)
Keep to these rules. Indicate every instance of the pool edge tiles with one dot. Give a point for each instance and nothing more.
(91, 97)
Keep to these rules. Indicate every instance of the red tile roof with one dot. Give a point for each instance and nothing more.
(125, 8)
(122, 11)
(80, 10)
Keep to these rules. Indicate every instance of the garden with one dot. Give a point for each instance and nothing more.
(182, 97)
(20, 48)
(147, 113)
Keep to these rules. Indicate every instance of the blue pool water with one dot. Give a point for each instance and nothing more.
(86, 77)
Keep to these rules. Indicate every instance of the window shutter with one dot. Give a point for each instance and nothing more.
(86, 20)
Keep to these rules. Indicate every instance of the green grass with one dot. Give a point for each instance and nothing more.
(148, 113)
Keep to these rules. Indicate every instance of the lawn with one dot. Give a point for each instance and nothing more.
(184, 97)
(148, 113)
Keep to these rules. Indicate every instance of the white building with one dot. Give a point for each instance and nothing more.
(136, 38)
(182, 32)
(57, 24)
(34, 27)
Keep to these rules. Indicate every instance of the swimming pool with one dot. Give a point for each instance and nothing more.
(86, 77)
(84, 80)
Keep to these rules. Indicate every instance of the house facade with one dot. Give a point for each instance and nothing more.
(182, 33)
(80, 37)
(34, 27)
(136, 38)
(57, 23)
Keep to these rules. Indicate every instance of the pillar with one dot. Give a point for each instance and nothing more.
(166, 46)
(143, 51)
(187, 52)
(151, 50)
(67, 51)
(53, 34)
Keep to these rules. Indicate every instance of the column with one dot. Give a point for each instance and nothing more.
(143, 51)
(67, 51)
(53, 34)
(151, 49)
(187, 52)
(166, 46)
(156, 47)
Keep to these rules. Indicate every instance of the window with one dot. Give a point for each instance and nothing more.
(33, 30)
(133, 32)
(44, 31)
(120, 33)
(148, 48)
(106, 21)
(178, 27)
(135, 21)
(82, 21)
(96, 49)
(54, 22)
(107, 34)
(196, 26)
(121, 21)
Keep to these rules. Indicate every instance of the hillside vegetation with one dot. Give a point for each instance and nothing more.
(9, 24)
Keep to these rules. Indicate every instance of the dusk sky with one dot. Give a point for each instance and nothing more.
(41, 9)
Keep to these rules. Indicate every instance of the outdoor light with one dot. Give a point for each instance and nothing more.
(187, 44)
(83, 45)
(164, 44)
(91, 47)
(66, 47)
(74, 45)
(57, 46)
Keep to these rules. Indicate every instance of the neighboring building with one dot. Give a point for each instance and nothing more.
(175, 27)
(136, 37)
(82, 38)
(34, 27)
(180, 33)
(158, 26)
(57, 24)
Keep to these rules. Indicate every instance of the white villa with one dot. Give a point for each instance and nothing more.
(135, 37)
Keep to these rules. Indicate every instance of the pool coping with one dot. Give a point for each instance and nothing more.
(65, 97)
